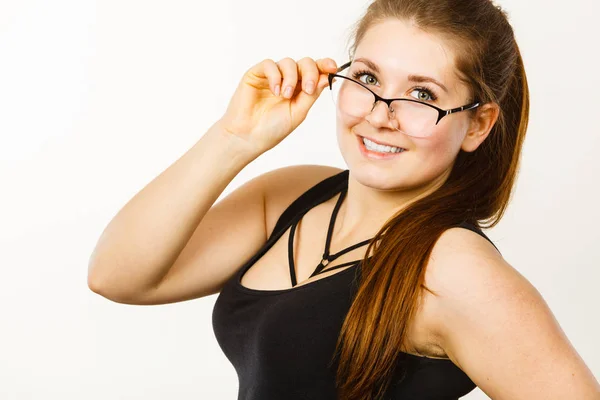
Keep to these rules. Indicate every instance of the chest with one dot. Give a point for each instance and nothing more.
(271, 272)
(304, 252)
(282, 344)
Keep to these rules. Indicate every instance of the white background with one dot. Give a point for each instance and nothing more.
(98, 97)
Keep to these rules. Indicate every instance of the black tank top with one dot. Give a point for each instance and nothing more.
(281, 342)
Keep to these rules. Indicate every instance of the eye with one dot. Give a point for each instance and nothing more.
(425, 94)
(359, 74)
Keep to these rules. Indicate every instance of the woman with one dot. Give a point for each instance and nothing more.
(410, 300)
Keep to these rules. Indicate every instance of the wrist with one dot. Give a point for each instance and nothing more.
(228, 147)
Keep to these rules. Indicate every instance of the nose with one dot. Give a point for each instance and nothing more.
(381, 116)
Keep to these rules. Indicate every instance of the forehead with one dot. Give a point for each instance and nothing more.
(400, 49)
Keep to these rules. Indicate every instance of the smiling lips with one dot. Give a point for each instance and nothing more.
(381, 143)
(381, 147)
(373, 154)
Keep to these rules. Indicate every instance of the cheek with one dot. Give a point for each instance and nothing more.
(435, 154)
(444, 136)
(439, 152)
(428, 158)
(344, 132)
(345, 123)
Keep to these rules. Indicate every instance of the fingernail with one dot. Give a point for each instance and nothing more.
(277, 89)
(310, 86)
(288, 92)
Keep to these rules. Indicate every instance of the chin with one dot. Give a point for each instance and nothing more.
(374, 177)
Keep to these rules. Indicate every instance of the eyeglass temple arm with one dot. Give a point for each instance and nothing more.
(343, 67)
(463, 108)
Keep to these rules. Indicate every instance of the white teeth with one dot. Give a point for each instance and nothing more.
(370, 145)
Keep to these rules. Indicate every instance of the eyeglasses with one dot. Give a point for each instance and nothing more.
(411, 116)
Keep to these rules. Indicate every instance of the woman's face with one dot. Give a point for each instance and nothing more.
(399, 50)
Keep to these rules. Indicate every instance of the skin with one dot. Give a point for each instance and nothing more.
(378, 189)
(487, 318)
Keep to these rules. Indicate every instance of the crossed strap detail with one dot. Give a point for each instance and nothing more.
(327, 258)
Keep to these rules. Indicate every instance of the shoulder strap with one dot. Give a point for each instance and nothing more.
(324, 190)
(317, 194)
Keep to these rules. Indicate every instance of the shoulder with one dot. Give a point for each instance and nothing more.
(465, 267)
(471, 283)
(489, 319)
(461, 263)
(462, 258)
(284, 185)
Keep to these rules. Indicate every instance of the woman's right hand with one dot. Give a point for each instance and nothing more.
(261, 114)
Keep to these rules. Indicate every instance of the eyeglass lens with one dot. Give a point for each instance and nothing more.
(355, 101)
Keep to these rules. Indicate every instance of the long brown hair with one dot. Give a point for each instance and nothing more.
(477, 190)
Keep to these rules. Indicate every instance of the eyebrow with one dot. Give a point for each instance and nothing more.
(411, 78)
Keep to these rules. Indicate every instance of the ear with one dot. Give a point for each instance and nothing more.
(480, 126)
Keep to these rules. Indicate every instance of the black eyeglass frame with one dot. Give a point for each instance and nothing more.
(441, 113)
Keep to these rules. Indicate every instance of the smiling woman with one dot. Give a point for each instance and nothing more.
(376, 281)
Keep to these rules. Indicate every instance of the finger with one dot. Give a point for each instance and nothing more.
(273, 75)
(289, 70)
(326, 66)
(258, 75)
(303, 101)
(309, 74)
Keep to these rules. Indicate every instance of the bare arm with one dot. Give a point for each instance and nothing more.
(141, 243)
(233, 231)
(496, 326)
(169, 243)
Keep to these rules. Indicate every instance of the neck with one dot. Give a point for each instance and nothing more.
(366, 209)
